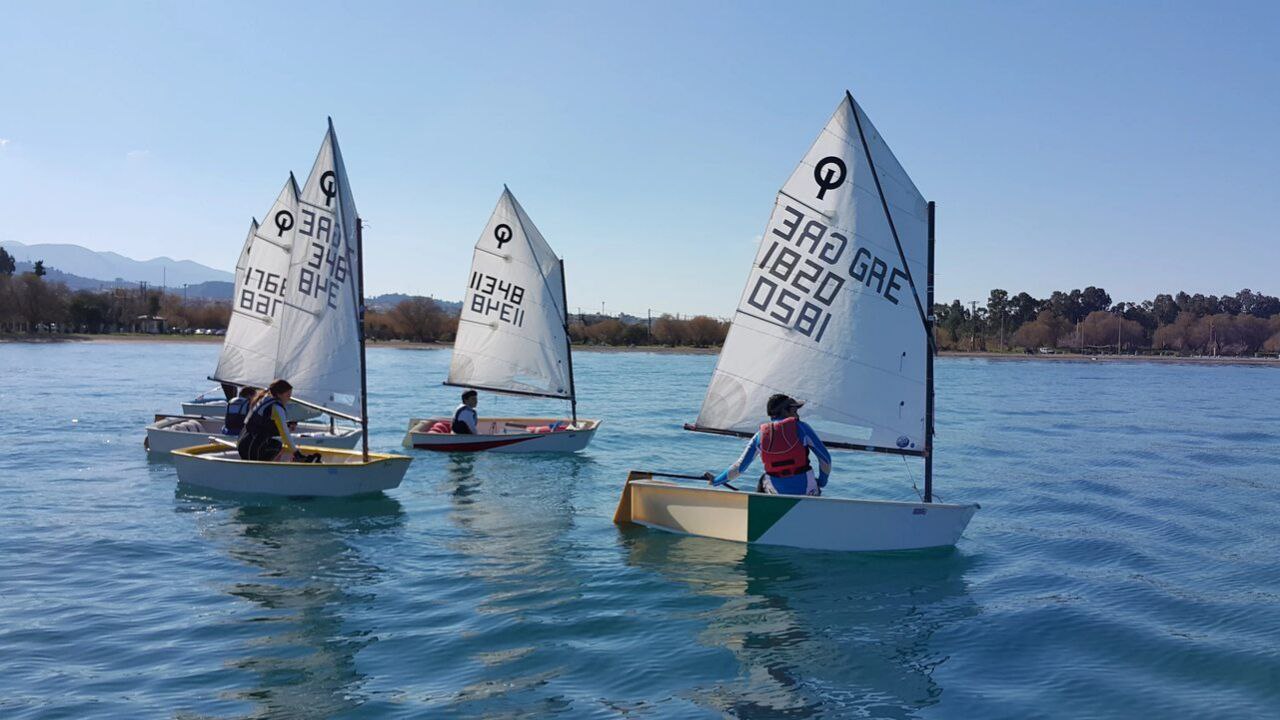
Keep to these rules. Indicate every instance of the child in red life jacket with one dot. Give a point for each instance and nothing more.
(784, 444)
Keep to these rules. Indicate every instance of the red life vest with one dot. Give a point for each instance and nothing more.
(781, 449)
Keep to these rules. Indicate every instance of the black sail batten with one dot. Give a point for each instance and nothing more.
(888, 215)
(926, 318)
(836, 444)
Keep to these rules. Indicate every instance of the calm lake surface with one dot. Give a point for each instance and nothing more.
(1126, 560)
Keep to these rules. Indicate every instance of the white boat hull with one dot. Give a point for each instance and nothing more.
(815, 523)
(218, 409)
(341, 472)
(504, 435)
(173, 432)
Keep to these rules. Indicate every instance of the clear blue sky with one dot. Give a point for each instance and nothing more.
(1128, 145)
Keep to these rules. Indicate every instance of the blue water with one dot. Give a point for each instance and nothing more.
(1124, 563)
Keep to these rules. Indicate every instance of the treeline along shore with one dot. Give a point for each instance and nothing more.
(1246, 324)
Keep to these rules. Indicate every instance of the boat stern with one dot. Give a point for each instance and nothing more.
(622, 516)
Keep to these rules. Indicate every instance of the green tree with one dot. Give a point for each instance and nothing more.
(635, 334)
(1165, 309)
(952, 317)
(7, 264)
(1025, 308)
(1093, 299)
(998, 310)
(1066, 305)
(89, 309)
(39, 270)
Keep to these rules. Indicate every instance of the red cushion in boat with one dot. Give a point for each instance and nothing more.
(440, 428)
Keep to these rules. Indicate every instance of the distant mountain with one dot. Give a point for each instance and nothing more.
(109, 267)
(212, 290)
(84, 269)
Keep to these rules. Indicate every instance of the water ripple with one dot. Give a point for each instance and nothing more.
(1122, 564)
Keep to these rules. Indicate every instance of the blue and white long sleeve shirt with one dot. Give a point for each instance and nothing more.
(810, 440)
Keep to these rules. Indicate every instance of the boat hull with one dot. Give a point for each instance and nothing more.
(815, 523)
(342, 472)
(503, 435)
(163, 435)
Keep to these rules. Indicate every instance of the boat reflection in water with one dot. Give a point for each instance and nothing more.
(816, 633)
(520, 585)
(308, 585)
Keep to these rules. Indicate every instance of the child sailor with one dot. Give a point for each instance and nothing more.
(784, 444)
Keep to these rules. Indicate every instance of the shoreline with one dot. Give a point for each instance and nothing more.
(130, 338)
(1078, 357)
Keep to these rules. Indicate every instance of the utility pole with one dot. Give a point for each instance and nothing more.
(649, 331)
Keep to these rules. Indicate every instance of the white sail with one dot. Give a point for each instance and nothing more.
(319, 349)
(253, 335)
(828, 315)
(511, 333)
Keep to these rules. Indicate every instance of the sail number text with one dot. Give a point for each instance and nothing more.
(261, 292)
(492, 297)
(325, 271)
(799, 275)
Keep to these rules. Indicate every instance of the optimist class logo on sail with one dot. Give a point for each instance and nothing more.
(266, 295)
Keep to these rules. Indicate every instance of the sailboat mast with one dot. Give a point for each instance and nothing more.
(568, 346)
(928, 372)
(364, 382)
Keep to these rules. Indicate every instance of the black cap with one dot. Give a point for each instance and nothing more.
(779, 404)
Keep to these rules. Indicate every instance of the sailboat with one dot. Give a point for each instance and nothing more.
(320, 351)
(513, 339)
(249, 351)
(837, 313)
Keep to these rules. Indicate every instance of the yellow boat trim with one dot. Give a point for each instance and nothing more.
(200, 451)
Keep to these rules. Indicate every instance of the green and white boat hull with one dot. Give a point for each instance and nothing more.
(816, 523)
